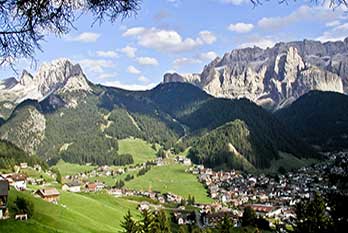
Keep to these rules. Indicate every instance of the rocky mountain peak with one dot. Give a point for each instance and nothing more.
(60, 75)
(274, 77)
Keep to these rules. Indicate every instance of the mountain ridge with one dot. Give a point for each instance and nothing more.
(274, 77)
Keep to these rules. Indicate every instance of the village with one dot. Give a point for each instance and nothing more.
(271, 196)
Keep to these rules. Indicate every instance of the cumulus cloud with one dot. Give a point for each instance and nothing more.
(133, 87)
(129, 51)
(302, 14)
(206, 37)
(147, 61)
(168, 40)
(107, 54)
(235, 2)
(241, 27)
(332, 23)
(339, 32)
(95, 65)
(133, 70)
(209, 56)
(86, 37)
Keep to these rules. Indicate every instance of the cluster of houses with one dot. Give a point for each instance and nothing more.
(271, 197)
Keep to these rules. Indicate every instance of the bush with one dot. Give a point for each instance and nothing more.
(24, 206)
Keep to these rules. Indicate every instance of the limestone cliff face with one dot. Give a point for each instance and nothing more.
(59, 75)
(274, 77)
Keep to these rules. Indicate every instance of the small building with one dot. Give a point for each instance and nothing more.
(23, 165)
(4, 187)
(91, 187)
(48, 194)
(144, 206)
(74, 187)
(19, 181)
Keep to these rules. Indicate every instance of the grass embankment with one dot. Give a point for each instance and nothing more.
(75, 213)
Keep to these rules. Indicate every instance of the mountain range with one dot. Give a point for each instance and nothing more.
(274, 77)
(58, 113)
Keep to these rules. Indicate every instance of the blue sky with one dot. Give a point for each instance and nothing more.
(183, 36)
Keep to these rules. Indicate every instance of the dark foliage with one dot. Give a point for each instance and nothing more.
(320, 118)
(11, 155)
(24, 206)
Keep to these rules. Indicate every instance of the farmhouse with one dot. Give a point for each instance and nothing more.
(48, 194)
(18, 181)
(4, 187)
(23, 165)
(74, 187)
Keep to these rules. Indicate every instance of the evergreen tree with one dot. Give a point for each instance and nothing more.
(225, 225)
(162, 224)
(312, 216)
(129, 225)
(119, 184)
(148, 222)
(183, 229)
(249, 217)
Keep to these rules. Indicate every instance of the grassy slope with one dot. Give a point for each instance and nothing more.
(170, 178)
(83, 213)
(71, 169)
(140, 149)
(289, 162)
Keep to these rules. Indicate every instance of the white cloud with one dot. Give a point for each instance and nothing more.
(261, 42)
(168, 40)
(333, 23)
(147, 61)
(207, 37)
(339, 32)
(85, 37)
(241, 27)
(134, 31)
(235, 2)
(133, 87)
(95, 65)
(108, 54)
(207, 56)
(300, 15)
(185, 61)
(143, 79)
(129, 51)
(133, 70)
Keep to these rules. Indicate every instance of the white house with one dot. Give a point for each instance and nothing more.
(18, 181)
(74, 187)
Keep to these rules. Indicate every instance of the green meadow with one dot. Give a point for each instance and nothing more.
(171, 178)
(78, 213)
(67, 169)
(138, 148)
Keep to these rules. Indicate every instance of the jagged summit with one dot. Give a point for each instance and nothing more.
(60, 75)
(274, 77)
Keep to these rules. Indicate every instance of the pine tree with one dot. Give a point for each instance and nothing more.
(312, 216)
(148, 222)
(129, 225)
(162, 224)
(225, 225)
(249, 217)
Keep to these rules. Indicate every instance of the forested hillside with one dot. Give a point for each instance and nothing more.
(320, 118)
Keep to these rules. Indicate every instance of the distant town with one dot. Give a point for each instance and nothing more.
(271, 196)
